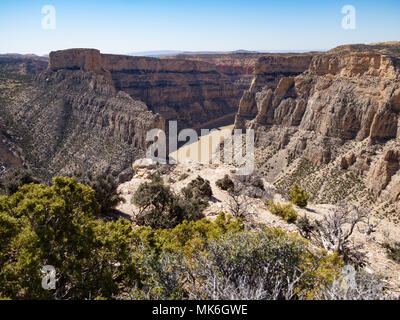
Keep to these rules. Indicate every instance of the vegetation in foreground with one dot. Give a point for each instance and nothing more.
(60, 225)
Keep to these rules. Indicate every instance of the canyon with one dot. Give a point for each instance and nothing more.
(329, 122)
(328, 114)
(334, 128)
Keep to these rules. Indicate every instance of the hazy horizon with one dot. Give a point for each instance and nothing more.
(124, 27)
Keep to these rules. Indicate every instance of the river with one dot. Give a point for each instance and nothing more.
(202, 150)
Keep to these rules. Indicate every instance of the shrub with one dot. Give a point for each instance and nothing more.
(286, 211)
(43, 225)
(160, 207)
(305, 226)
(203, 259)
(183, 176)
(198, 188)
(393, 251)
(252, 186)
(250, 265)
(106, 192)
(354, 285)
(16, 178)
(225, 183)
(298, 196)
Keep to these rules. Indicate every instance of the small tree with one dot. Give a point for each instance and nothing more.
(298, 196)
(161, 208)
(106, 192)
(285, 211)
(239, 205)
(334, 231)
(225, 183)
(16, 178)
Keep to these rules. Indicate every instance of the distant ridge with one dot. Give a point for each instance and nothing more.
(163, 53)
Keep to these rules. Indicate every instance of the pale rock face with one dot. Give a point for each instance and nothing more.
(268, 72)
(338, 97)
(356, 65)
(382, 172)
(192, 92)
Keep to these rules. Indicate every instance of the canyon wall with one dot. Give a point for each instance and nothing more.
(344, 109)
(72, 120)
(196, 90)
(239, 67)
(268, 71)
(192, 92)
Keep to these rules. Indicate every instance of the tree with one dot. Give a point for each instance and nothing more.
(333, 233)
(55, 226)
(106, 192)
(298, 196)
(160, 207)
(16, 178)
(239, 205)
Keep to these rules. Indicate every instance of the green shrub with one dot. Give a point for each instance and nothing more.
(198, 188)
(298, 196)
(106, 192)
(14, 179)
(225, 183)
(203, 259)
(392, 251)
(160, 207)
(285, 211)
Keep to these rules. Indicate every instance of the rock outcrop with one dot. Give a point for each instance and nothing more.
(269, 70)
(70, 121)
(192, 92)
(342, 99)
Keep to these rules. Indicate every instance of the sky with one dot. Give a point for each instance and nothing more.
(122, 26)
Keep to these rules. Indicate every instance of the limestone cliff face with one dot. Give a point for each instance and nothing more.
(192, 92)
(341, 100)
(269, 70)
(70, 121)
(238, 66)
(353, 96)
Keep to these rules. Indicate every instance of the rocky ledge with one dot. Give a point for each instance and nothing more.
(343, 109)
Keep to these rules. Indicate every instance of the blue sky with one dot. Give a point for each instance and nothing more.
(122, 26)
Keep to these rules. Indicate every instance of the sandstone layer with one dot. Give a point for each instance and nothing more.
(267, 73)
(192, 92)
(69, 121)
(341, 113)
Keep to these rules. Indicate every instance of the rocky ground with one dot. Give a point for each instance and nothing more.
(377, 260)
